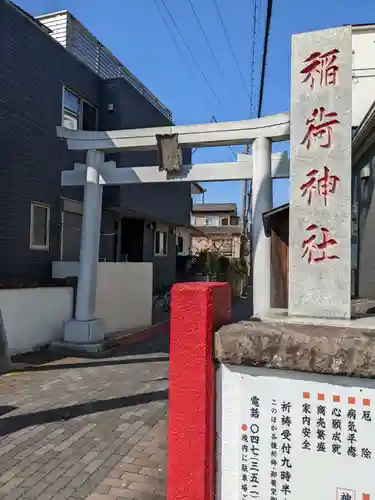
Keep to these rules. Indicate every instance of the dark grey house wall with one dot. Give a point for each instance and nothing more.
(72, 224)
(363, 198)
(130, 108)
(164, 266)
(34, 69)
(108, 241)
(170, 202)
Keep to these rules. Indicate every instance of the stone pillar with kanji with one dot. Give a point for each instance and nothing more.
(320, 174)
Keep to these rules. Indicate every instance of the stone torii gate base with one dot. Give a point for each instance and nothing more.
(86, 330)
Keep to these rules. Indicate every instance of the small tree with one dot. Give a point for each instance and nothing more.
(215, 242)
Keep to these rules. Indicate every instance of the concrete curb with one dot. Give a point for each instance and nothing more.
(111, 342)
(132, 338)
(98, 351)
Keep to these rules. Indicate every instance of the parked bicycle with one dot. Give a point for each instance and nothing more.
(164, 297)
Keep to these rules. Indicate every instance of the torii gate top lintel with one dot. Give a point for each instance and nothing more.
(274, 127)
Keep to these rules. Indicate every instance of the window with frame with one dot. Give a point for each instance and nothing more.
(160, 242)
(78, 114)
(211, 221)
(39, 226)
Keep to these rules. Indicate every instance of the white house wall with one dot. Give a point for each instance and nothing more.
(186, 236)
(58, 24)
(363, 45)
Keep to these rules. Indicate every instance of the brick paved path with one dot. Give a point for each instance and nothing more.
(83, 428)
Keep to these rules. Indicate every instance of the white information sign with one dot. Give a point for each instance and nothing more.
(283, 437)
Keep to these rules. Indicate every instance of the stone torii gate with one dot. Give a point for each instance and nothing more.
(261, 167)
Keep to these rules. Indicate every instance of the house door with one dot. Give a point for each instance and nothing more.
(132, 233)
(279, 272)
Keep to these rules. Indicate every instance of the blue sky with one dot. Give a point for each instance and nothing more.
(136, 34)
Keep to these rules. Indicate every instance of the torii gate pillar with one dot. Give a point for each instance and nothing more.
(85, 328)
(261, 244)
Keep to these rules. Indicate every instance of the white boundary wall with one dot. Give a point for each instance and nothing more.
(123, 293)
(34, 317)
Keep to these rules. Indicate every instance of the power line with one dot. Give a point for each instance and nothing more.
(173, 37)
(264, 62)
(230, 147)
(214, 120)
(177, 46)
(253, 59)
(212, 51)
(246, 193)
(231, 48)
(193, 57)
(265, 52)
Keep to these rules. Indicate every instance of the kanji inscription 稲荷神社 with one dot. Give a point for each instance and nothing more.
(320, 174)
(321, 69)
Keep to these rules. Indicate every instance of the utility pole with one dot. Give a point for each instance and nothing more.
(246, 191)
(243, 218)
(246, 183)
(245, 212)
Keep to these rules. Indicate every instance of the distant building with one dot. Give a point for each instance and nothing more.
(363, 207)
(185, 234)
(220, 226)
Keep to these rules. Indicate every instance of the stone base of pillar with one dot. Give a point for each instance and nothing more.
(281, 316)
(6, 366)
(85, 349)
(84, 332)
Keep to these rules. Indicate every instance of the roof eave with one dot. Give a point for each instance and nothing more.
(356, 28)
(364, 136)
(53, 14)
(28, 16)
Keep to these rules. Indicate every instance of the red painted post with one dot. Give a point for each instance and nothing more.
(197, 310)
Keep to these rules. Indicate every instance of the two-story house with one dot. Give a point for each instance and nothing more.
(55, 72)
(220, 226)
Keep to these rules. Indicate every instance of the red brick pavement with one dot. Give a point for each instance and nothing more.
(81, 428)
